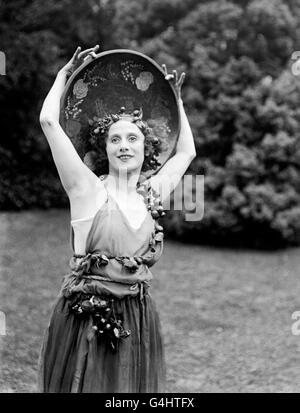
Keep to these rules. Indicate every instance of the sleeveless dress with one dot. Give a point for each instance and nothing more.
(73, 357)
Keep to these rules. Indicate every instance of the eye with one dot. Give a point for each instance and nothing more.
(115, 139)
(132, 137)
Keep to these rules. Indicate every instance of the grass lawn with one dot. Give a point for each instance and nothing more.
(226, 314)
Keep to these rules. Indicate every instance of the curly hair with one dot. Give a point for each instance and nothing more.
(98, 134)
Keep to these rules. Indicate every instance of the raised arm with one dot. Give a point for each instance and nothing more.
(168, 177)
(75, 176)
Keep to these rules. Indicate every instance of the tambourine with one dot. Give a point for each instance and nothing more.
(114, 79)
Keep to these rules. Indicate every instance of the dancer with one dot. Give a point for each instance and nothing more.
(104, 334)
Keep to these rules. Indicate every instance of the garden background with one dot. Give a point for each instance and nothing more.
(237, 267)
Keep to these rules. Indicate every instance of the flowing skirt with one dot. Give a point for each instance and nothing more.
(71, 361)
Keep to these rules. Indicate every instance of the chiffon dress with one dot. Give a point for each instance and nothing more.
(73, 358)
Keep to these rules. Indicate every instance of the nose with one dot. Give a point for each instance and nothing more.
(124, 145)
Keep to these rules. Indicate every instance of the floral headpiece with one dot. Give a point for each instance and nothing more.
(101, 125)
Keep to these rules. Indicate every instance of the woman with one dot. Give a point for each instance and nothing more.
(104, 334)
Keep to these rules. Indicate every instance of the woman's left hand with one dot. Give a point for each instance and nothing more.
(174, 78)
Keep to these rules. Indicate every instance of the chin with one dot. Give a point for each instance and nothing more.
(129, 169)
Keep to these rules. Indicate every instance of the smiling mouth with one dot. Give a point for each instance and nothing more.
(125, 157)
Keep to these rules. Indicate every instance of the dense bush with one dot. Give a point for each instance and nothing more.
(252, 184)
(240, 96)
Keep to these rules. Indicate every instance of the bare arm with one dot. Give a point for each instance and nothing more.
(168, 177)
(75, 176)
(185, 143)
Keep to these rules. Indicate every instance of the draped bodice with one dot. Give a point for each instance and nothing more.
(112, 232)
(112, 236)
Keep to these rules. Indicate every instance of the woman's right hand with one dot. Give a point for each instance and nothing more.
(78, 58)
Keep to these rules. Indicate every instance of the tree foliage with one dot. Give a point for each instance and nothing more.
(240, 95)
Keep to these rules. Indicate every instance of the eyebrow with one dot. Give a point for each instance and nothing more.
(129, 134)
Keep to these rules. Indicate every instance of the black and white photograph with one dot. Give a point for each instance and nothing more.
(150, 198)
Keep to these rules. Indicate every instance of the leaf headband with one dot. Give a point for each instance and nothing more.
(101, 125)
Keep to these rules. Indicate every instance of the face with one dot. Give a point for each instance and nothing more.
(125, 138)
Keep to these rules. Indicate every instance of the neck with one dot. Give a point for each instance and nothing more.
(123, 181)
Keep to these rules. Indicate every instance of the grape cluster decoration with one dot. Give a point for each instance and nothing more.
(106, 323)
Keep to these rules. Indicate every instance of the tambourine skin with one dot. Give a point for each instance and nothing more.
(117, 78)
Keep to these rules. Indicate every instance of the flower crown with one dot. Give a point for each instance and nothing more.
(101, 125)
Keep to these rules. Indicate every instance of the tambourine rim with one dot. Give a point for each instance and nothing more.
(82, 67)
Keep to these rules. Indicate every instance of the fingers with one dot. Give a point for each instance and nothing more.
(175, 76)
(181, 79)
(77, 51)
(90, 55)
(85, 52)
(95, 48)
(169, 77)
(164, 67)
(88, 51)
